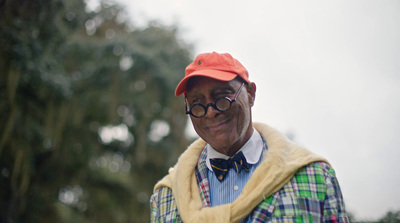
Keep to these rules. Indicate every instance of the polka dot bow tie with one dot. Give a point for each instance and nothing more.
(221, 166)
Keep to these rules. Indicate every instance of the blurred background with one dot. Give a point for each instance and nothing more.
(89, 122)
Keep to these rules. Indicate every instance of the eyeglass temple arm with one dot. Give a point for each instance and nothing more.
(237, 94)
(186, 108)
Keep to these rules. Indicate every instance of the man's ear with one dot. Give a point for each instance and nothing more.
(251, 91)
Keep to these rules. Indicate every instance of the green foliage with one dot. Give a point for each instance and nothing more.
(88, 119)
(391, 217)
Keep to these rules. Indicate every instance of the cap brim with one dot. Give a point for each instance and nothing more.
(214, 74)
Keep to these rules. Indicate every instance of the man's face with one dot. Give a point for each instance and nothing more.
(225, 131)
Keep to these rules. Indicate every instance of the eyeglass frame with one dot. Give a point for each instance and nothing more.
(213, 104)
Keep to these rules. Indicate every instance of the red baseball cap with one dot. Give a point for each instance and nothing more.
(221, 67)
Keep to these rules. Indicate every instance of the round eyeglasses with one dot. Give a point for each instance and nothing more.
(221, 104)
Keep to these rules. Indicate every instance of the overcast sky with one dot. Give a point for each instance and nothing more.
(327, 72)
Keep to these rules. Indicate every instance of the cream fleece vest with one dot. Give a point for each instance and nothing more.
(281, 161)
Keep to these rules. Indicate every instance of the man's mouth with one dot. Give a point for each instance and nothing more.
(218, 126)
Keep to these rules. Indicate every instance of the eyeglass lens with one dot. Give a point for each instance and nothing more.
(222, 104)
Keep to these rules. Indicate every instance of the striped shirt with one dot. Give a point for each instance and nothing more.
(230, 188)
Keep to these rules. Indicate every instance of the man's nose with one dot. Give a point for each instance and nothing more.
(211, 111)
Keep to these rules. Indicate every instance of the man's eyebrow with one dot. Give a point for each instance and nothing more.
(227, 88)
(194, 95)
(195, 92)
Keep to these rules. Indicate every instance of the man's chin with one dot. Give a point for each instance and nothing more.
(221, 143)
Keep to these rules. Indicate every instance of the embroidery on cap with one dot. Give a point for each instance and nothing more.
(199, 62)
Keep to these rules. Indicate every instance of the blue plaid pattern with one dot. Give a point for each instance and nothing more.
(312, 195)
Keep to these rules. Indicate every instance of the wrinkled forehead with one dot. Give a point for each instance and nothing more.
(200, 83)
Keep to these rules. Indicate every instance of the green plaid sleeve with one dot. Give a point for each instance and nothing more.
(312, 195)
(163, 207)
(334, 208)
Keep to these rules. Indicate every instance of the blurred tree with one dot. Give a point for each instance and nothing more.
(391, 217)
(88, 119)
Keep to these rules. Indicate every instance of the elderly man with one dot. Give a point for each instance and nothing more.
(240, 171)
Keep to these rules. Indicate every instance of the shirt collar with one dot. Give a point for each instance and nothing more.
(252, 150)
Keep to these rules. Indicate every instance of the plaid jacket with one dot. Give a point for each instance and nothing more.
(312, 195)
